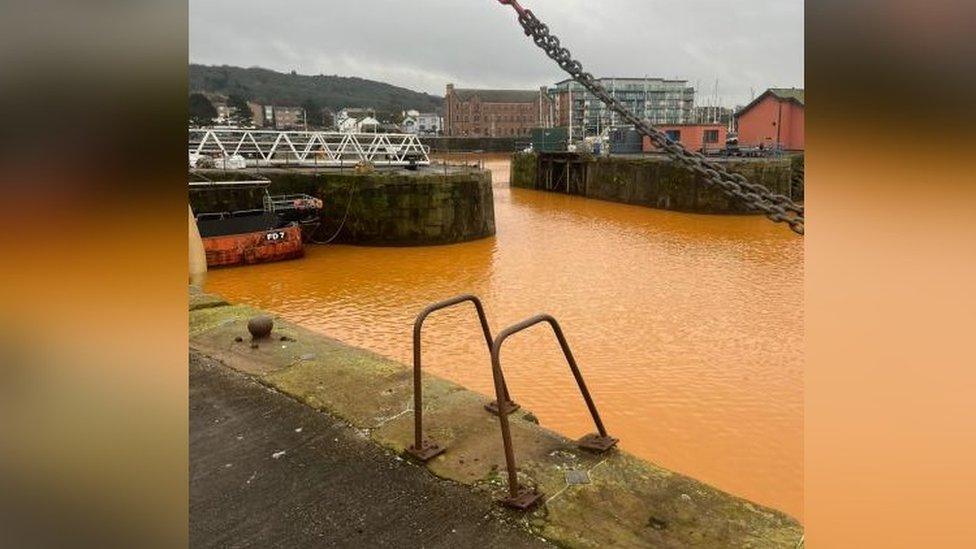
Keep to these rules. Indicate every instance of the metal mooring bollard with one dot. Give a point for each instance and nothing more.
(520, 497)
(425, 450)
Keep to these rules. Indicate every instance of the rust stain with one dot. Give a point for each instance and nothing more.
(256, 247)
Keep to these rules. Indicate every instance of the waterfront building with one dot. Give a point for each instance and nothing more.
(368, 124)
(656, 99)
(695, 137)
(408, 123)
(283, 118)
(256, 111)
(225, 113)
(356, 120)
(430, 123)
(775, 120)
(422, 123)
(495, 113)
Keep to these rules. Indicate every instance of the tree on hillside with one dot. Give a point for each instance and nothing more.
(202, 111)
(240, 112)
(270, 87)
(391, 117)
(328, 120)
(313, 113)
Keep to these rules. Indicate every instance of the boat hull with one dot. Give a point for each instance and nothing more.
(254, 247)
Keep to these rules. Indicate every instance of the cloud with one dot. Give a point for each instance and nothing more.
(424, 44)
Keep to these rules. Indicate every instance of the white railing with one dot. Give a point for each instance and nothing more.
(327, 149)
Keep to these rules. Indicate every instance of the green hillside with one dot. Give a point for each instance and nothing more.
(335, 92)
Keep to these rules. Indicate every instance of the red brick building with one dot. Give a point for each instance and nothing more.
(775, 119)
(695, 137)
(495, 113)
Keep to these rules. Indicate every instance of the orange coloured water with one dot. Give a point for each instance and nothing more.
(687, 328)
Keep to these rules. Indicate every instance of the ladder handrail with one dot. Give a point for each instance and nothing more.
(599, 442)
(426, 450)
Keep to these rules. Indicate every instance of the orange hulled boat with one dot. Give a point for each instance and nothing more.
(235, 231)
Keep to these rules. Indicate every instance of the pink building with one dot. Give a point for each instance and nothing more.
(695, 137)
(774, 119)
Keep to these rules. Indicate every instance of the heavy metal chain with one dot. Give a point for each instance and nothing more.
(777, 207)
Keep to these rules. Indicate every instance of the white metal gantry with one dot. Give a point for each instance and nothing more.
(327, 149)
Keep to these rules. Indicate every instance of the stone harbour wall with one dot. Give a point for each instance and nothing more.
(387, 208)
(647, 180)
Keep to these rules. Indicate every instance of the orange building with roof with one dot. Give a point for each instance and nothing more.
(775, 119)
(695, 137)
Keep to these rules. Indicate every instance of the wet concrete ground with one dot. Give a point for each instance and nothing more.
(267, 471)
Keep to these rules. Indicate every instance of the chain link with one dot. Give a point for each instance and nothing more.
(776, 207)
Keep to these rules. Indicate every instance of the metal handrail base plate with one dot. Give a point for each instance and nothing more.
(525, 500)
(595, 443)
(428, 451)
(492, 407)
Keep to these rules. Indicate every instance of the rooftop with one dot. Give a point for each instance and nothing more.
(630, 79)
(795, 95)
(788, 94)
(497, 96)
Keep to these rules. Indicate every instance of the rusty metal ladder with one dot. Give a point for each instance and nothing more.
(520, 497)
(424, 450)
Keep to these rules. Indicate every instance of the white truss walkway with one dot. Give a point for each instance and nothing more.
(264, 148)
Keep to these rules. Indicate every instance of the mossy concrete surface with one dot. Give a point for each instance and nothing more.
(627, 502)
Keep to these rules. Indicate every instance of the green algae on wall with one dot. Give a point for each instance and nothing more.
(523, 171)
(798, 165)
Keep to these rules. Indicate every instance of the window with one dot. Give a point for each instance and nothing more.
(675, 135)
(711, 136)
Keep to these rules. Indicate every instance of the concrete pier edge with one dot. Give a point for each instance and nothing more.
(628, 502)
(652, 181)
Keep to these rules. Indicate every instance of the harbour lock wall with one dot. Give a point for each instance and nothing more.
(381, 208)
(647, 180)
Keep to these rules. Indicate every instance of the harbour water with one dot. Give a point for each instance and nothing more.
(687, 328)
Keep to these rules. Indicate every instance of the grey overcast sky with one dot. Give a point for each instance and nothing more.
(424, 44)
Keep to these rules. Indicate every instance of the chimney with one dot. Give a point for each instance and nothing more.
(450, 89)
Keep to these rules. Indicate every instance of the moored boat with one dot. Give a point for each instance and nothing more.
(256, 247)
(273, 232)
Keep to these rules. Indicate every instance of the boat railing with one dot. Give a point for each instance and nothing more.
(286, 202)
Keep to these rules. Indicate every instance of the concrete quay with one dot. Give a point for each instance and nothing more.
(268, 471)
(627, 502)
